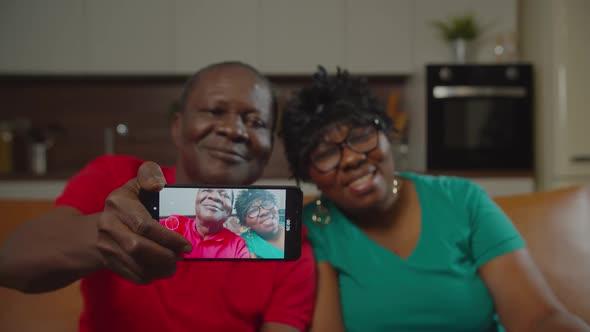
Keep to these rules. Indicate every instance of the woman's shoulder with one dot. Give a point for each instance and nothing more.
(319, 215)
(442, 183)
(450, 191)
(308, 215)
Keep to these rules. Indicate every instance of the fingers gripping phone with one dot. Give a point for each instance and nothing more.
(231, 223)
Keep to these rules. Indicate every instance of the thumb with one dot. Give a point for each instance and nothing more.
(150, 176)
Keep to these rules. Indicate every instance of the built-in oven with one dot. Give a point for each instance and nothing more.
(480, 117)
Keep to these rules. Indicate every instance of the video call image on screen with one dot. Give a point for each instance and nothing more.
(225, 223)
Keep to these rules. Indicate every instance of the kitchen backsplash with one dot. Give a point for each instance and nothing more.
(80, 118)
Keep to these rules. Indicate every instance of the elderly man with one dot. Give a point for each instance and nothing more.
(101, 233)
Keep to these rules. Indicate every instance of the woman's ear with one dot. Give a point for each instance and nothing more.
(177, 128)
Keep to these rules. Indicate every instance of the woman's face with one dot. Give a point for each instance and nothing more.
(262, 217)
(358, 180)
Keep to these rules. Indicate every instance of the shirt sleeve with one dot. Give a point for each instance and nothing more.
(88, 189)
(242, 249)
(492, 233)
(293, 297)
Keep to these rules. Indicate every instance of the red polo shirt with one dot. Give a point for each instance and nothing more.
(205, 296)
(223, 244)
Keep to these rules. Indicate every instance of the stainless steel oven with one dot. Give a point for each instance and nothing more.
(480, 117)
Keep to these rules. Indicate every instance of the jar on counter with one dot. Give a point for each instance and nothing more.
(6, 148)
(39, 158)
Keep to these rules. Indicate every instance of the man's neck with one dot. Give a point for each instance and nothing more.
(207, 229)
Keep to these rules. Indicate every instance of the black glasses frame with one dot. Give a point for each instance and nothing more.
(258, 208)
(375, 126)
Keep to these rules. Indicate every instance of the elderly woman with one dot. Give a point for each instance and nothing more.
(404, 252)
(257, 210)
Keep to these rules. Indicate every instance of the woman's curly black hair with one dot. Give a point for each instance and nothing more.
(246, 197)
(328, 100)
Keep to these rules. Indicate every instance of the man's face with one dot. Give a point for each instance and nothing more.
(224, 133)
(213, 205)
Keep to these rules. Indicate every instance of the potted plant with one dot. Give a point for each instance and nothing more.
(459, 31)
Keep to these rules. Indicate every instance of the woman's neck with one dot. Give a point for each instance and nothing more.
(273, 236)
(383, 216)
(277, 238)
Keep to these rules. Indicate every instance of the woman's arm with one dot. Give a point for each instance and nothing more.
(523, 299)
(327, 314)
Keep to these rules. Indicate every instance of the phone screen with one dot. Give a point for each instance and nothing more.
(236, 223)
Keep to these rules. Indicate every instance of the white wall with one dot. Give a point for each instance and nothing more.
(424, 44)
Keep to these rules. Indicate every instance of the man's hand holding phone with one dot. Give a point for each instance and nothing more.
(131, 244)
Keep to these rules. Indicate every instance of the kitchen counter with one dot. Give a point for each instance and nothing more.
(30, 189)
(494, 183)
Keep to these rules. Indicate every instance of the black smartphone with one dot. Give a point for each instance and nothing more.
(231, 222)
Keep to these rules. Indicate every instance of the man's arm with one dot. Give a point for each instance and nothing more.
(64, 245)
(50, 252)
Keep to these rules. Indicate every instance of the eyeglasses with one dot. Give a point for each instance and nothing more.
(255, 210)
(327, 155)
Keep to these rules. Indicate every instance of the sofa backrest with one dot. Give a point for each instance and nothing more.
(555, 225)
(52, 312)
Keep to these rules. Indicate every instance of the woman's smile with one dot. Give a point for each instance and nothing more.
(362, 184)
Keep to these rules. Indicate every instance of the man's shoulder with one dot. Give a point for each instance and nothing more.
(113, 164)
(117, 159)
(123, 166)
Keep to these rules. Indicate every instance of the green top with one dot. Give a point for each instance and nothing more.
(437, 288)
(261, 247)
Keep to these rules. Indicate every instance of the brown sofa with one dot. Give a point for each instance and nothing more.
(555, 224)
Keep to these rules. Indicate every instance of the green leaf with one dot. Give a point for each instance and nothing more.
(462, 26)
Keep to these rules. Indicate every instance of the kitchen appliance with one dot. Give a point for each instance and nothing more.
(480, 117)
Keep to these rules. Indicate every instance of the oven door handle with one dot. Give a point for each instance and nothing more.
(580, 158)
(464, 91)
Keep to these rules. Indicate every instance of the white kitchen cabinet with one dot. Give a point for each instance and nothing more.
(39, 36)
(210, 31)
(130, 36)
(297, 36)
(572, 65)
(572, 182)
(378, 36)
(506, 186)
(555, 40)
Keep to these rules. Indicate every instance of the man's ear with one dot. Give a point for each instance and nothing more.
(177, 128)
